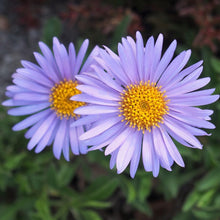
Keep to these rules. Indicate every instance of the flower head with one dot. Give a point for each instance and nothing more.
(140, 101)
(43, 91)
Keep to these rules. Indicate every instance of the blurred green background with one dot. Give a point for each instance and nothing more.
(39, 187)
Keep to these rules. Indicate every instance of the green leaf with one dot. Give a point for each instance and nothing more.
(143, 207)
(144, 188)
(7, 212)
(101, 188)
(90, 215)
(215, 64)
(202, 214)
(14, 162)
(65, 174)
(206, 198)
(23, 183)
(170, 182)
(51, 176)
(5, 178)
(94, 204)
(51, 28)
(120, 31)
(212, 179)
(191, 200)
(129, 190)
(43, 208)
(183, 216)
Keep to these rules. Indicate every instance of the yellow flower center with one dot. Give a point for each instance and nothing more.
(60, 99)
(143, 105)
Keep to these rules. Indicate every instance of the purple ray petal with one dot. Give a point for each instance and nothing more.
(115, 129)
(148, 58)
(46, 138)
(113, 158)
(160, 148)
(93, 100)
(174, 67)
(196, 122)
(74, 143)
(118, 141)
(80, 56)
(90, 59)
(181, 132)
(174, 153)
(59, 139)
(136, 155)
(194, 101)
(106, 124)
(26, 110)
(147, 152)
(41, 131)
(128, 61)
(125, 153)
(30, 96)
(114, 66)
(184, 73)
(99, 93)
(140, 55)
(95, 109)
(82, 146)
(66, 147)
(157, 55)
(27, 122)
(34, 76)
(50, 71)
(168, 55)
(107, 79)
(188, 87)
(32, 86)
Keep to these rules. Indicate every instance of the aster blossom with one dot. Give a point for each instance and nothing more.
(43, 92)
(139, 101)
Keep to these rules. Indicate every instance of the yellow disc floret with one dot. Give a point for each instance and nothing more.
(143, 105)
(60, 99)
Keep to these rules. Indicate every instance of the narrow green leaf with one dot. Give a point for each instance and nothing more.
(120, 31)
(144, 189)
(206, 198)
(65, 174)
(101, 188)
(90, 215)
(7, 212)
(212, 179)
(143, 207)
(95, 204)
(201, 214)
(14, 161)
(129, 190)
(215, 64)
(43, 208)
(51, 28)
(191, 200)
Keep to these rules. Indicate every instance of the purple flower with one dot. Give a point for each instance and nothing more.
(139, 101)
(43, 91)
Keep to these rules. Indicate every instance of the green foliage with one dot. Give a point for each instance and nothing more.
(120, 31)
(39, 187)
(51, 28)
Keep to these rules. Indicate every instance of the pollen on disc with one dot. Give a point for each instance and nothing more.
(60, 99)
(143, 105)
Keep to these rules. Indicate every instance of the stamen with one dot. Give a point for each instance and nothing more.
(143, 105)
(60, 99)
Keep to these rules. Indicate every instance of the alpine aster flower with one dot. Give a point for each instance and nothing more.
(139, 101)
(43, 91)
